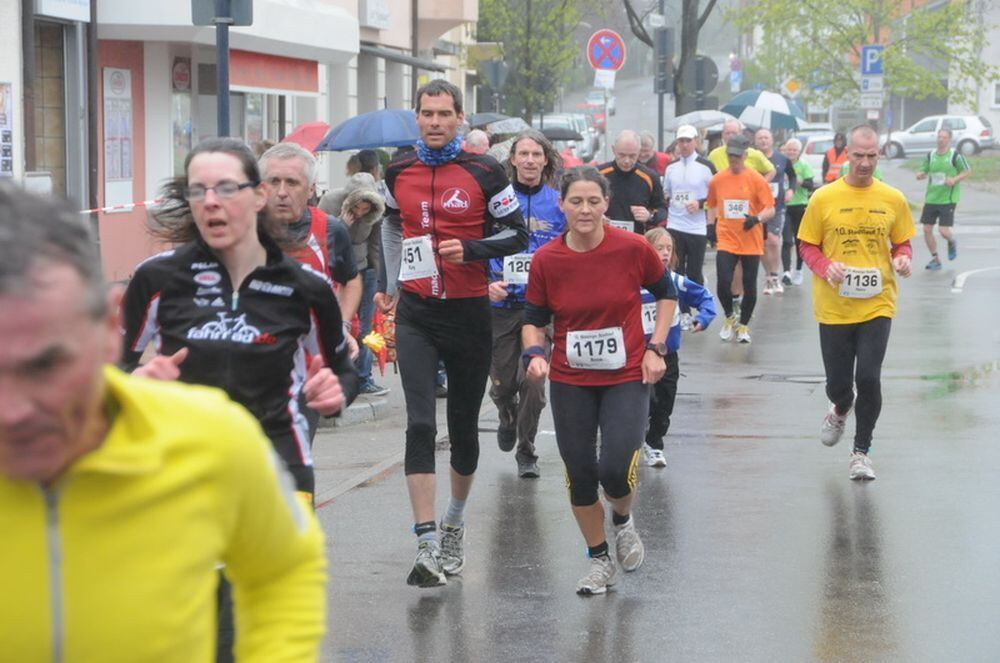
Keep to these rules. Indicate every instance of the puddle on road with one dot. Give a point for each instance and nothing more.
(981, 375)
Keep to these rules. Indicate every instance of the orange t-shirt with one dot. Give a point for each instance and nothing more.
(732, 196)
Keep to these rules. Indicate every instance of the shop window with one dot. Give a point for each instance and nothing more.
(50, 104)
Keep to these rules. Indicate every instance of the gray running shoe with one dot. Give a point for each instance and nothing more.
(628, 546)
(833, 426)
(861, 467)
(506, 437)
(426, 571)
(528, 470)
(602, 575)
(452, 549)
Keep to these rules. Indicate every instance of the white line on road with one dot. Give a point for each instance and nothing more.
(959, 282)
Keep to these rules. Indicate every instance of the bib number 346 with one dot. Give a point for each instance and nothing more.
(596, 349)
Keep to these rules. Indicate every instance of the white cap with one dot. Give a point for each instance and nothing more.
(686, 131)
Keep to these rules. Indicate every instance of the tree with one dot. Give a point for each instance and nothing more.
(693, 19)
(538, 42)
(820, 42)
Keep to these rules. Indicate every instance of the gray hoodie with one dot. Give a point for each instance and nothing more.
(365, 232)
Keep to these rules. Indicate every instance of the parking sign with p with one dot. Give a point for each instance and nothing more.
(871, 60)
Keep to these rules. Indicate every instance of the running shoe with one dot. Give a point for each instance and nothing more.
(602, 575)
(768, 286)
(952, 248)
(628, 546)
(726, 333)
(528, 470)
(743, 334)
(833, 426)
(786, 278)
(778, 288)
(372, 389)
(653, 457)
(797, 277)
(452, 549)
(506, 438)
(427, 571)
(861, 467)
(687, 322)
(934, 265)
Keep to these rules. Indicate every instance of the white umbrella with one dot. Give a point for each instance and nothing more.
(699, 119)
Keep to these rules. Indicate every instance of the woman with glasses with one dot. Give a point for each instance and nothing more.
(226, 308)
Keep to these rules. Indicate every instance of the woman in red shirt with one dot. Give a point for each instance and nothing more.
(587, 283)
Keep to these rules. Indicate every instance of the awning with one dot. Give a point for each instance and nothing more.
(402, 58)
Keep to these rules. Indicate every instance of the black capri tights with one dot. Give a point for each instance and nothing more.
(619, 412)
(725, 267)
(460, 333)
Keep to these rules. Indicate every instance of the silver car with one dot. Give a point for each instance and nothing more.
(970, 135)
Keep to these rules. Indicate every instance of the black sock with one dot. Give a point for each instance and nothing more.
(600, 550)
(424, 528)
(618, 519)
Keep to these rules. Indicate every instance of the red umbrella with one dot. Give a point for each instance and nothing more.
(308, 135)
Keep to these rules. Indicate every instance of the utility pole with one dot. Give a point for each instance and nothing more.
(223, 19)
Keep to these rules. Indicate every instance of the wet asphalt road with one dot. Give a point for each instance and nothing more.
(758, 547)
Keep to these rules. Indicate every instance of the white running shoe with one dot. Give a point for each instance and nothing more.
(628, 546)
(653, 457)
(687, 322)
(833, 426)
(452, 549)
(768, 286)
(778, 288)
(726, 333)
(861, 467)
(602, 575)
(797, 277)
(743, 334)
(427, 570)
(786, 278)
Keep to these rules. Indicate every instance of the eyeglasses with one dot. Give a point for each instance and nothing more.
(224, 190)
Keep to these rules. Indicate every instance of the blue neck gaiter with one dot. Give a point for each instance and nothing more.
(433, 157)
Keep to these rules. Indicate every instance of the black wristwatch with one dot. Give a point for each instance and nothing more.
(658, 348)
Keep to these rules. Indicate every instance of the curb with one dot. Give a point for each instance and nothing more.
(361, 411)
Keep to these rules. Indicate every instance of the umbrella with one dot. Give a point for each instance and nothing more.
(482, 119)
(308, 135)
(699, 119)
(561, 133)
(381, 128)
(511, 125)
(758, 108)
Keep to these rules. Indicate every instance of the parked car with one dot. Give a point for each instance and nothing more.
(970, 134)
(807, 129)
(596, 98)
(585, 125)
(814, 148)
(581, 148)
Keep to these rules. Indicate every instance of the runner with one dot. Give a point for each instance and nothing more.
(443, 206)
(119, 496)
(636, 191)
(649, 156)
(783, 186)
(532, 165)
(854, 234)
(587, 284)
(685, 184)
(795, 208)
(664, 392)
(738, 200)
(943, 169)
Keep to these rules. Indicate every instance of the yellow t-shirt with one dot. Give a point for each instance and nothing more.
(754, 159)
(856, 226)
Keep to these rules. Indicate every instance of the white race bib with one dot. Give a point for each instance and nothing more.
(735, 209)
(681, 198)
(516, 268)
(596, 349)
(648, 317)
(937, 179)
(418, 259)
(624, 225)
(861, 283)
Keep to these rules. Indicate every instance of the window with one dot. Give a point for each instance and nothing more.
(953, 123)
(926, 126)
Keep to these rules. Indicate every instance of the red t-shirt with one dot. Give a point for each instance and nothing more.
(595, 290)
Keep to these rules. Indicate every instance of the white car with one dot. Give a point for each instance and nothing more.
(970, 135)
(814, 148)
(596, 98)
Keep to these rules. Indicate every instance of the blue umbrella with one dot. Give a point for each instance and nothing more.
(381, 128)
(759, 108)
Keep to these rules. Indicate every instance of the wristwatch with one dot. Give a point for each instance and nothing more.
(658, 348)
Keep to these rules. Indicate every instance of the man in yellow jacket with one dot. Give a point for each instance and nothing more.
(119, 496)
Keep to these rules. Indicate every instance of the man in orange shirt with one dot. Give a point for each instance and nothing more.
(739, 201)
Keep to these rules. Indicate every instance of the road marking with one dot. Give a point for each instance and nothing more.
(959, 282)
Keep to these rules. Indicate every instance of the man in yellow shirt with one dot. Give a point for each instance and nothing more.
(120, 496)
(754, 160)
(854, 235)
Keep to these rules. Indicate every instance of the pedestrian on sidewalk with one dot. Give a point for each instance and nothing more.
(943, 169)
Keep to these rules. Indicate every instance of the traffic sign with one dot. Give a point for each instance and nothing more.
(604, 78)
(871, 60)
(792, 86)
(871, 100)
(872, 83)
(700, 75)
(871, 114)
(606, 50)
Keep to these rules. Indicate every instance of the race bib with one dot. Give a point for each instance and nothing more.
(648, 317)
(937, 179)
(735, 209)
(418, 259)
(774, 189)
(861, 283)
(624, 225)
(681, 198)
(516, 268)
(596, 349)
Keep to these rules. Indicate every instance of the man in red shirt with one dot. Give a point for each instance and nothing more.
(650, 156)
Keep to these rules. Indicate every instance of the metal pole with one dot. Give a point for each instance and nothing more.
(93, 149)
(660, 94)
(414, 48)
(223, 18)
(28, 82)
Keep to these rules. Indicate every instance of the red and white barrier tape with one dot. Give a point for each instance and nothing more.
(120, 208)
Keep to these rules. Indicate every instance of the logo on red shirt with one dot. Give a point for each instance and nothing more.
(455, 200)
